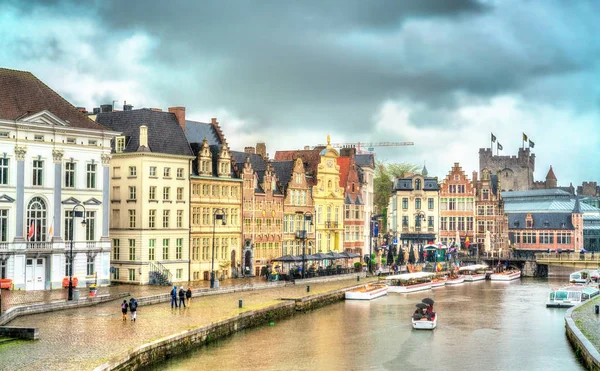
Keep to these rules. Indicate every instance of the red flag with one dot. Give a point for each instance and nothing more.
(31, 230)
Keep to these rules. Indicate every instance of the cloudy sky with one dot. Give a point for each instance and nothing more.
(442, 74)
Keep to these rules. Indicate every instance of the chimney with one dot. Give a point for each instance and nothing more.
(96, 110)
(347, 151)
(306, 148)
(106, 108)
(249, 150)
(156, 109)
(127, 107)
(474, 177)
(261, 149)
(81, 109)
(144, 136)
(180, 114)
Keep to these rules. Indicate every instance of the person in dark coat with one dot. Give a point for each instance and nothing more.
(124, 307)
(188, 296)
(133, 308)
(182, 297)
(174, 297)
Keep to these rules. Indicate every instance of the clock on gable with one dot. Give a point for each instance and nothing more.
(329, 163)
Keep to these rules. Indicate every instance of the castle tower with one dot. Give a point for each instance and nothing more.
(551, 179)
(515, 172)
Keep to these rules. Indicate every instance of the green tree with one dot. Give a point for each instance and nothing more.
(385, 174)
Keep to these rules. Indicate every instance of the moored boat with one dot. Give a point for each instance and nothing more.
(438, 281)
(582, 276)
(424, 318)
(506, 275)
(367, 292)
(471, 273)
(455, 280)
(569, 296)
(409, 282)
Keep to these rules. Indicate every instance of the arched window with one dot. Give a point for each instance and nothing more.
(36, 219)
(418, 184)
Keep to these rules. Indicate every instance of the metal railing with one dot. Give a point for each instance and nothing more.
(161, 270)
(568, 257)
(330, 224)
(39, 245)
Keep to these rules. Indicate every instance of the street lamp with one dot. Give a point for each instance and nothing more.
(419, 217)
(74, 214)
(374, 218)
(303, 235)
(218, 214)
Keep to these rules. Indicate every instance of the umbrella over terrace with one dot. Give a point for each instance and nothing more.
(287, 259)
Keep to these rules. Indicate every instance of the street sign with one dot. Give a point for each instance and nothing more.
(370, 149)
(395, 240)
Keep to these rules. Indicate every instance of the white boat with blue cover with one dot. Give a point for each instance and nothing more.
(409, 282)
(571, 295)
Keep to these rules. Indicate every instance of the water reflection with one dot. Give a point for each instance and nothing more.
(482, 326)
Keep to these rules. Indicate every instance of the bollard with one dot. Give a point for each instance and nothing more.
(240, 303)
(307, 288)
(357, 278)
(597, 309)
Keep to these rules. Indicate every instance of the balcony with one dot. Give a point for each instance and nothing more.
(331, 225)
(39, 245)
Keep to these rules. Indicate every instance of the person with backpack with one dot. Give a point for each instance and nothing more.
(174, 297)
(124, 307)
(181, 297)
(133, 308)
(188, 296)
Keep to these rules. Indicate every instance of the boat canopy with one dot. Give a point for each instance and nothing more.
(409, 276)
(474, 267)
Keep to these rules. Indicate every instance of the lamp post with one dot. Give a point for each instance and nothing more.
(419, 217)
(307, 215)
(220, 215)
(374, 218)
(74, 214)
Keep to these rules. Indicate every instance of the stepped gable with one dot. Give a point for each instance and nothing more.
(310, 157)
(165, 135)
(22, 94)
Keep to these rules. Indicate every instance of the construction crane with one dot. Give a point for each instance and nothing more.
(370, 146)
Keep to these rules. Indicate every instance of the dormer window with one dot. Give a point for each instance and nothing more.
(529, 221)
(120, 144)
(546, 223)
(516, 224)
(563, 225)
(418, 184)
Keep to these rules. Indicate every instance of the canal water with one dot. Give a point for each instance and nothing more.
(481, 326)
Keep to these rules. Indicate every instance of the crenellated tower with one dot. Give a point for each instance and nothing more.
(515, 172)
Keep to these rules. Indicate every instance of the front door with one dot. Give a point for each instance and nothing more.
(29, 274)
(40, 274)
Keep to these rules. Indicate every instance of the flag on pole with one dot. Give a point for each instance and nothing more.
(500, 147)
(51, 231)
(531, 144)
(493, 137)
(524, 137)
(31, 231)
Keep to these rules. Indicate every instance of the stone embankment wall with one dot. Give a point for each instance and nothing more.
(183, 342)
(584, 349)
(27, 333)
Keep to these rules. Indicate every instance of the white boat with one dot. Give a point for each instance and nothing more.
(367, 292)
(424, 318)
(506, 275)
(455, 281)
(474, 272)
(583, 276)
(409, 282)
(570, 295)
(438, 281)
(424, 323)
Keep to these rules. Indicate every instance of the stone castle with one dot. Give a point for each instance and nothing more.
(515, 173)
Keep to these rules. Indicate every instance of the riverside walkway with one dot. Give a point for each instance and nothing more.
(84, 338)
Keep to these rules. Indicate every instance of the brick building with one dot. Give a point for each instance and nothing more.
(354, 224)
(262, 208)
(457, 207)
(490, 220)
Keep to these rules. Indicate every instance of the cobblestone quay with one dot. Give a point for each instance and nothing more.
(81, 339)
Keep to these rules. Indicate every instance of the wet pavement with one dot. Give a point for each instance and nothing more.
(588, 321)
(21, 297)
(83, 338)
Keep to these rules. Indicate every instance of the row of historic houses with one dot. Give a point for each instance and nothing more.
(146, 196)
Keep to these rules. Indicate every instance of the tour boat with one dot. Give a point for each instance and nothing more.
(474, 272)
(367, 292)
(506, 275)
(570, 295)
(456, 280)
(409, 282)
(424, 318)
(582, 276)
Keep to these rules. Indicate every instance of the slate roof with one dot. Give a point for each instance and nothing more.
(546, 205)
(541, 221)
(196, 131)
(365, 160)
(257, 161)
(22, 94)
(406, 184)
(310, 157)
(284, 171)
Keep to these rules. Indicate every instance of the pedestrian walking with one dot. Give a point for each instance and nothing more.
(188, 296)
(174, 297)
(124, 307)
(181, 297)
(133, 304)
